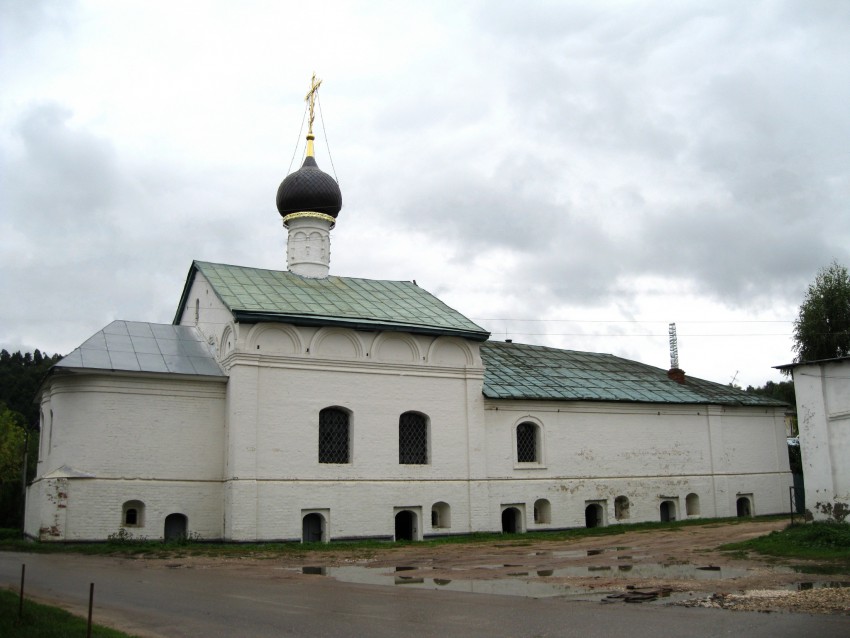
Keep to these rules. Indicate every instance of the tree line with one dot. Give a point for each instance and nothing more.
(21, 375)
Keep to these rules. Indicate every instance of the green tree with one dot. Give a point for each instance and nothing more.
(782, 391)
(822, 327)
(12, 437)
(21, 375)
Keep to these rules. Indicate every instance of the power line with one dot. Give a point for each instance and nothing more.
(635, 320)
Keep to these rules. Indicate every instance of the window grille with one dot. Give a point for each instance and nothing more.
(132, 514)
(412, 439)
(333, 436)
(526, 443)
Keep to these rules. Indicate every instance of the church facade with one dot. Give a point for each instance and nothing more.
(296, 405)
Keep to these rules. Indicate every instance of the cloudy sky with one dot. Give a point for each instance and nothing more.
(575, 174)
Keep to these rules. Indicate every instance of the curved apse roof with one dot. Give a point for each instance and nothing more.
(136, 346)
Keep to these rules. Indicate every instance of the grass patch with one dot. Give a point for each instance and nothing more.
(43, 621)
(814, 541)
(132, 547)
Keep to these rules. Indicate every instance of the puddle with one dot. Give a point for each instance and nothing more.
(538, 584)
(504, 587)
(573, 553)
(594, 552)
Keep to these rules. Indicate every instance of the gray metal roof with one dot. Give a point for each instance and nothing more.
(135, 346)
(255, 295)
(519, 371)
(787, 367)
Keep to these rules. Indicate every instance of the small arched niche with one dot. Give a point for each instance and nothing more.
(542, 511)
(692, 504)
(441, 515)
(622, 508)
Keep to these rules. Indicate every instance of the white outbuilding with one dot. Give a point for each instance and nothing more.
(823, 417)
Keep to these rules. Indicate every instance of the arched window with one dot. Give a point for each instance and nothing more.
(333, 436)
(413, 439)
(527, 443)
(133, 514)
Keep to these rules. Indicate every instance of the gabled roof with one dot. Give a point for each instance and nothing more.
(519, 371)
(257, 295)
(135, 346)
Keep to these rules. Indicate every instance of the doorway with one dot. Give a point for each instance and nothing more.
(405, 526)
(312, 528)
(593, 515)
(667, 511)
(744, 507)
(175, 527)
(511, 521)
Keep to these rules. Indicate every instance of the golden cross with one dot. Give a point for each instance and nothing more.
(311, 98)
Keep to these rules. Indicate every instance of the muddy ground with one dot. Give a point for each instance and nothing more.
(682, 566)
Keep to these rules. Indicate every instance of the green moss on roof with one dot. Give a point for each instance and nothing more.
(519, 371)
(255, 294)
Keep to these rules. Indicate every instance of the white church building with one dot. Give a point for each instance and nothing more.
(296, 405)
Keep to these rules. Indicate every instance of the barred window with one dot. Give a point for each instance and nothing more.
(412, 439)
(526, 443)
(333, 436)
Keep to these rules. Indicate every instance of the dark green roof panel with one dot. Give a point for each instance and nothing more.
(255, 295)
(519, 371)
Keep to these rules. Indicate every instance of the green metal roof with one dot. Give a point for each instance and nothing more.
(519, 371)
(257, 295)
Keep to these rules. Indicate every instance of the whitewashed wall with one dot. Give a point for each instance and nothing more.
(594, 452)
(823, 415)
(281, 377)
(116, 437)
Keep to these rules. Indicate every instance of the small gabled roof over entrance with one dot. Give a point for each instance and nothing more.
(136, 346)
(519, 371)
(256, 295)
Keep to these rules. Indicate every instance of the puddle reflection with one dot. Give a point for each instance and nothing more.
(538, 584)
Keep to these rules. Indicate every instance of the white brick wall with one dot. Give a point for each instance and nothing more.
(823, 416)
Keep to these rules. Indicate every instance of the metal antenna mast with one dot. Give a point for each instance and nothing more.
(674, 347)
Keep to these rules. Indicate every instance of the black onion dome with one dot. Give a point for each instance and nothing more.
(309, 189)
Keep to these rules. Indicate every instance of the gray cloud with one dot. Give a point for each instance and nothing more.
(578, 155)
